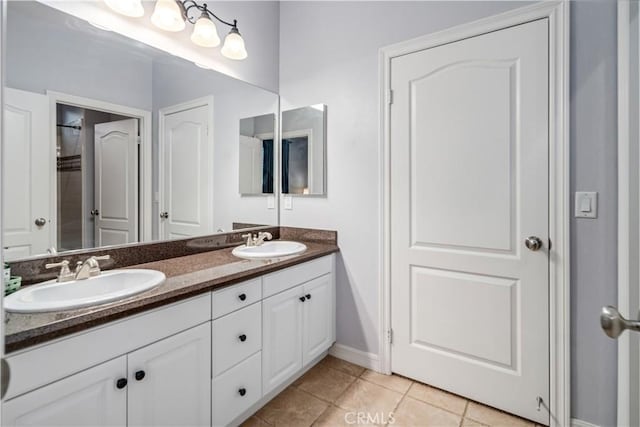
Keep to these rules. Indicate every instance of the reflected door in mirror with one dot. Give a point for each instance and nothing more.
(187, 174)
(116, 182)
(304, 150)
(26, 175)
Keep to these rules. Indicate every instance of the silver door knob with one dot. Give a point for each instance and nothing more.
(164, 215)
(533, 243)
(95, 212)
(613, 324)
(40, 222)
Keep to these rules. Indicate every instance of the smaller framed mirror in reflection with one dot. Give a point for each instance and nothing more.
(304, 150)
(257, 155)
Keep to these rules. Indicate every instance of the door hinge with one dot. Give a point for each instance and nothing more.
(390, 336)
(139, 140)
(389, 97)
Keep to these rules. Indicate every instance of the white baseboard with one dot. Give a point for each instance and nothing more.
(579, 423)
(357, 357)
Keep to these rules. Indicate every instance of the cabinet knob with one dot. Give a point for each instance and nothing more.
(121, 383)
(242, 297)
(139, 375)
(308, 296)
(242, 391)
(242, 337)
(303, 299)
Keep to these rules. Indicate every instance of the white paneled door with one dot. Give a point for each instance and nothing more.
(469, 179)
(26, 173)
(116, 182)
(186, 177)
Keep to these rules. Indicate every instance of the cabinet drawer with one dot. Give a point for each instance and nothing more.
(236, 390)
(236, 297)
(285, 279)
(235, 337)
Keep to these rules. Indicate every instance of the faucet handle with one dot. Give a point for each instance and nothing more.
(265, 235)
(65, 274)
(249, 239)
(64, 264)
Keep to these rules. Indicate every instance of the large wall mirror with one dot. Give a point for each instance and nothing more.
(108, 141)
(304, 145)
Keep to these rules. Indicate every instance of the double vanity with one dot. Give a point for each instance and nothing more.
(210, 345)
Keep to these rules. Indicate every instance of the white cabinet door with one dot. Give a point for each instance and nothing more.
(281, 337)
(317, 335)
(89, 398)
(170, 381)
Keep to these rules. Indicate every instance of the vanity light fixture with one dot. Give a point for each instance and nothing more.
(172, 15)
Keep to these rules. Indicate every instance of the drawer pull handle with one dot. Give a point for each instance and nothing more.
(242, 391)
(121, 383)
(242, 337)
(139, 375)
(242, 297)
(303, 299)
(308, 296)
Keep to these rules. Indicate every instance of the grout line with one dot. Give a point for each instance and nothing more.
(261, 419)
(401, 399)
(388, 388)
(464, 413)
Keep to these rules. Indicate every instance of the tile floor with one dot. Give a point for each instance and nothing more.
(334, 392)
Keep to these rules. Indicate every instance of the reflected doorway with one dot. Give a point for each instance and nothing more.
(95, 152)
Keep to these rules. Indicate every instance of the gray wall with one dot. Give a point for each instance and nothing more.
(328, 54)
(49, 54)
(593, 242)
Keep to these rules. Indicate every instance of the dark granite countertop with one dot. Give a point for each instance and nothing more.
(187, 276)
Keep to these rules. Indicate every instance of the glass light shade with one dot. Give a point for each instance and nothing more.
(233, 47)
(167, 16)
(205, 33)
(132, 8)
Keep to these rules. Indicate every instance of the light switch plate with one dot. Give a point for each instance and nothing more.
(586, 204)
(288, 202)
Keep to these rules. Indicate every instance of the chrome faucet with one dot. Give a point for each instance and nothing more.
(257, 240)
(90, 267)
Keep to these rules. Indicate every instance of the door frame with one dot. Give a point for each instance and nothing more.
(162, 114)
(145, 173)
(557, 12)
(628, 197)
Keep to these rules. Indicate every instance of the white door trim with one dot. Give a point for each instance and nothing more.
(145, 163)
(559, 195)
(628, 190)
(162, 113)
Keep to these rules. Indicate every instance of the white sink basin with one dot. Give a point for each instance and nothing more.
(107, 287)
(273, 249)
